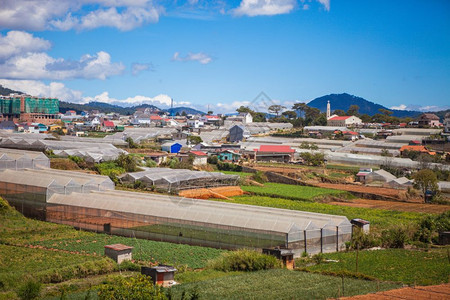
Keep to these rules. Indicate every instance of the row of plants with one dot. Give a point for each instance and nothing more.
(294, 192)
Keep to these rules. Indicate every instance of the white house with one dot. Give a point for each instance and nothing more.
(194, 123)
(447, 123)
(343, 121)
(244, 118)
(207, 119)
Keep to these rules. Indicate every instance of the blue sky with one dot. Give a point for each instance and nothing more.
(224, 53)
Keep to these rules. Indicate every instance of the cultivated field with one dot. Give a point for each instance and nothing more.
(282, 284)
(394, 205)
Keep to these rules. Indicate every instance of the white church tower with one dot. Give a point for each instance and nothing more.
(328, 110)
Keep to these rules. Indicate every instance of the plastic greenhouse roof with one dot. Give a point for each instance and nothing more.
(82, 178)
(22, 178)
(176, 175)
(219, 213)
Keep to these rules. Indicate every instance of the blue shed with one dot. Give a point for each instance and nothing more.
(171, 147)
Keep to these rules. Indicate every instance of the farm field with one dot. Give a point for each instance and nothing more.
(20, 231)
(395, 205)
(243, 238)
(435, 292)
(294, 192)
(379, 218)
(281, 284)
(400, 265)
(20, 263)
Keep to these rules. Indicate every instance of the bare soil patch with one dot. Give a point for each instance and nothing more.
(419, 292)
(395, 205)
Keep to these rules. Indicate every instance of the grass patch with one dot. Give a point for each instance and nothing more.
(407, 266)
(242, 174)
(19, 263)
(155, 252)
(15, 229)
(222, 238)
(196, 276)
(379, 218)
(293, 192)
(280, 284)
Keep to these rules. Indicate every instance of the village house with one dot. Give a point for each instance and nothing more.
(200, 158)
(428, 120)
(344, 121)
(278, 153)
(229, 155)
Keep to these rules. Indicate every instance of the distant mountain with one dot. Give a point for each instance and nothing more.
(100, 106)
(6, 92)
(187, 110)
(108, 108)
(343, 101)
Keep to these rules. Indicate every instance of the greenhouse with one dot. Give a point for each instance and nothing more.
(29, 190)
(90, 151)
(19, 159)
(90, 202)
(200, 222)
(173, 180)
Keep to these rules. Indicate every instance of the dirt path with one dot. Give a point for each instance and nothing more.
(419, 292)
(395, 205)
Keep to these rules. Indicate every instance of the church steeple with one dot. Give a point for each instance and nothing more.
(328, 110)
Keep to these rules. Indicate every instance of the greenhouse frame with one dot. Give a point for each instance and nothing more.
(173, 180)
(19, 159)
(89, 202)
(200, 222)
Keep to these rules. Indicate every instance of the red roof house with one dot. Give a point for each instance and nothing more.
(278, 153)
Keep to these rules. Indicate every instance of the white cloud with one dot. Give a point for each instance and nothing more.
(325, 3)
(200, 57)
(420, 108)
(400, 107)
(38, 88)
(42, 66)
(264, 7)
(161, 100)
(19, 42)
(136, 68)
(69, 14)
(22, 56)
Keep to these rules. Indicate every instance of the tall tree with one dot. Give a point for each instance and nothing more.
(426, 180)
(300, 107)
(290, 114)
(276, 109)
(353, 110)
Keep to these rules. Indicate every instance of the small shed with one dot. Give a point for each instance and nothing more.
(162, 275)
(444, 238)
(287, 256)
(360, 223)
(229, 155)
(171, 147)
(118, 252)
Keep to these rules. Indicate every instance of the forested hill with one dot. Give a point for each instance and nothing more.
(344, 101)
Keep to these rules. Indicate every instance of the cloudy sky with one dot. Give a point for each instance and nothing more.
(224, 53)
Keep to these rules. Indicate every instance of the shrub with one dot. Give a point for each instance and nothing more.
(244, 260)
(150, 163)
(130, 266)
(136, 287)
(259, 177)
(213, 159)
(430, 226)
(362, 240)
(29, 290)
(318, 258)
(395, 237)
(224, 166)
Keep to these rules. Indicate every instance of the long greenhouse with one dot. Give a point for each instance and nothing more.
(90, 202)
(173, 180)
